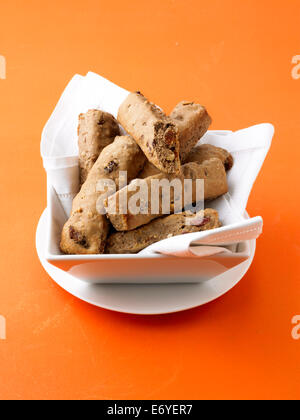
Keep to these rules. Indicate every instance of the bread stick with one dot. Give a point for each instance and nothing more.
(96, 130)
(156, 134)
(192, 121)
(207, 151)
(198, 154)
(215, 184)
(135, 240)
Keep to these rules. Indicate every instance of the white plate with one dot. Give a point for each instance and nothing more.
(142, 299)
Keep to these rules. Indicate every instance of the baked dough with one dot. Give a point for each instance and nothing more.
(96, 130)
(192, 121)
(207, 151)
(156, 134)
(215, 184)
(198, 154)
(134, 241)
(148, 170)
(86, 230)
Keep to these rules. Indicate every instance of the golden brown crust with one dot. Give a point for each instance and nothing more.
(215, 184)
(86, 230)
(193, 122)
(206, 151)
(134, 241)
(156, 134)
(96, 130)
(148, 170)
(198, 154)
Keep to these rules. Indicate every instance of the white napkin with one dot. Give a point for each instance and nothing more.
(249, 148)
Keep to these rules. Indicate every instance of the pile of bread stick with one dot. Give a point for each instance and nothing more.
(156, 147)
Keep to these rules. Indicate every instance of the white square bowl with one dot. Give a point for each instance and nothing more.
(136, 268)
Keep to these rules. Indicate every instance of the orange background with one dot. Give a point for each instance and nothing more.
(233, 56)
